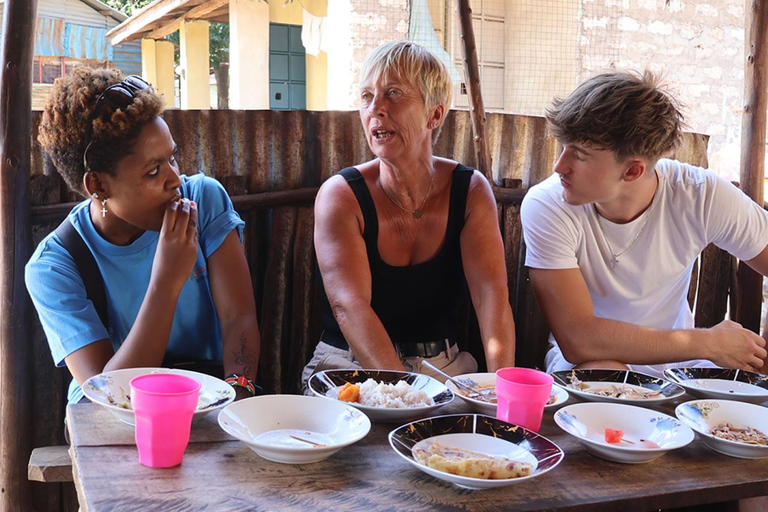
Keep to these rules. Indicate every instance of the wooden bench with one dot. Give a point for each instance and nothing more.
(50, 464)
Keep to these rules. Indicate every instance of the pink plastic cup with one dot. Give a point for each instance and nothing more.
(521, 395)
(163, 405)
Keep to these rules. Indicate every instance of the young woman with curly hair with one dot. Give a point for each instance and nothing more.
(168, 246)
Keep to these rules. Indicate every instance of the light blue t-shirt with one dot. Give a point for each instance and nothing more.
(69, 318)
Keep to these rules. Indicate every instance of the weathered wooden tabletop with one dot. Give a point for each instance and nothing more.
(220, 473)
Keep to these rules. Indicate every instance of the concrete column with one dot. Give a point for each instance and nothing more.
(195, 65)
(149, 60)
(317, 82)
(248, 54)
(165, 83)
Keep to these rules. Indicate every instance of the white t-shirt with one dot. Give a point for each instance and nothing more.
(692, 207)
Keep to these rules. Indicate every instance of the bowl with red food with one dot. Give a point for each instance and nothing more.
(623, 433)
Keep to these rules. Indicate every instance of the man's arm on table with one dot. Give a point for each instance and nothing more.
(583, 337)
(760, 264)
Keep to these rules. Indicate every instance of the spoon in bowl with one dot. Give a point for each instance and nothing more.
(488, 396)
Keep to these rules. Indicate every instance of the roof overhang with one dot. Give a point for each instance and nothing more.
(105, 10)
(163, 17)
(101, 8)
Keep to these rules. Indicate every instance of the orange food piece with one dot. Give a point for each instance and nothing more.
(349, 393)
(613, 435)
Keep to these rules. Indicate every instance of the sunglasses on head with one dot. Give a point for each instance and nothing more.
(118, 96)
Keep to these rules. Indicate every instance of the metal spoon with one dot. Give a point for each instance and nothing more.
(314, 444)
(471, 392)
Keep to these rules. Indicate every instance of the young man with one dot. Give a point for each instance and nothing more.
(612, 236)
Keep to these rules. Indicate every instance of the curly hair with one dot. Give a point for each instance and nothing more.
(68, 124)
(625, 112)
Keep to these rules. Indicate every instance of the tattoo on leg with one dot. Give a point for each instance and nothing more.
(246, 357)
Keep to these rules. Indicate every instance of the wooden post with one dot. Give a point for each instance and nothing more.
(472, 79)
(749, 282)
(15, 237)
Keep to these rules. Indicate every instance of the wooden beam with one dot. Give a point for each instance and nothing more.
(472, 79)
(244, 202)
(15, 248)
(201, 12)
(753, 131)
(133, 26)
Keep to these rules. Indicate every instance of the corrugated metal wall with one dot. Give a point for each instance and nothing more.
(279, 150)
(127, 57)
(74, 11)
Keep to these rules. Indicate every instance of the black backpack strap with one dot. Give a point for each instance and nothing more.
(86, 265)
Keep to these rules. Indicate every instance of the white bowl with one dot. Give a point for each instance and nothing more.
(487, 380)
(702, 415)
(327, 383)
(480, 434)
(587, 423)
(112, 390)
(721, 383)
(599, 379)
(267, 423)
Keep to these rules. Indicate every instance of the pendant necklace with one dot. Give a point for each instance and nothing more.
(614, 255)
(418, 212)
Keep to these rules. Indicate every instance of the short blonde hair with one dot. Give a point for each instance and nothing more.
(406, 61)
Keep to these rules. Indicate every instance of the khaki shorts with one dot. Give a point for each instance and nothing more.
(327, 357)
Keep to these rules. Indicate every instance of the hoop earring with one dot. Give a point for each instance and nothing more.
(104, 207)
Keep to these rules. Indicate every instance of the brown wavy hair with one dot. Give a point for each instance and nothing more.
(68, 124)
(626, 112)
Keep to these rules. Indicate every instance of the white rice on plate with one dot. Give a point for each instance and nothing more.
(395, 396)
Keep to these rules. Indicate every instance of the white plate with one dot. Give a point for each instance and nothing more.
(112, 390)
(487, 380)
(327, 383)
(721, 383)
(702, 415)
(266, 424)
(598, 379)
(587, 423)
(481, 434)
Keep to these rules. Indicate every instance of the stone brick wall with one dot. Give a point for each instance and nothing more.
(697, 45)
(359, 26)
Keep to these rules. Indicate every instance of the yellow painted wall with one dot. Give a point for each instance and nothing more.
(195, 58)
(166, 83)
(292, 13)
(316, 67)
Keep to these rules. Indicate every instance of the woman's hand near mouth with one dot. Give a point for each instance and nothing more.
(177, 247)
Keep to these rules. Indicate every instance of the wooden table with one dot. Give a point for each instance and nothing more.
(220, 473)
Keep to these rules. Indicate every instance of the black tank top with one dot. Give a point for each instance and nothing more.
(415, 303)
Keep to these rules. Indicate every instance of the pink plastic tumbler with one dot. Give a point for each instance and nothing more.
(521, 395)
(163, 405)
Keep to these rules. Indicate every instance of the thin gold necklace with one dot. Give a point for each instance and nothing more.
(614, 255)
(418, 212)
